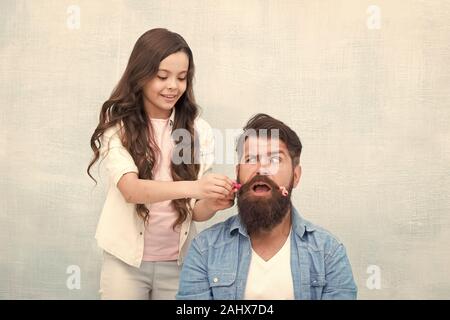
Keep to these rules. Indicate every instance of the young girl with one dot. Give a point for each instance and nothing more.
(145, 226)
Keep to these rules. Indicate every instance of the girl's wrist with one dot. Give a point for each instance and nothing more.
(190, 189)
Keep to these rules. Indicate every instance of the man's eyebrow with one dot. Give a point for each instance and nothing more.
(277, 152)
(268, 153)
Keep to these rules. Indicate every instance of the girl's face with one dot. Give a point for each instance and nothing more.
(163, 91)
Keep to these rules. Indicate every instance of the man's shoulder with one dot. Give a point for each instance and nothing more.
(217, 235)
(319, 238)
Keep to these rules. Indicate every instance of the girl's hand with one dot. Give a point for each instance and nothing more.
(215, 205)
(213, 186)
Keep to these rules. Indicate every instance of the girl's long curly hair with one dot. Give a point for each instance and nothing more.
(126, 107)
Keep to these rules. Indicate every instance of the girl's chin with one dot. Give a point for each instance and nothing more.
(168, 104)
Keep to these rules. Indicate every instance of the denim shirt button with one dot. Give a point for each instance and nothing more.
(215, 280)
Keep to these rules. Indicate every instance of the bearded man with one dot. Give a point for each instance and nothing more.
(267, 251)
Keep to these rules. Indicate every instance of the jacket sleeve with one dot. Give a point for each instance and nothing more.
(118, 160)
(340, 284)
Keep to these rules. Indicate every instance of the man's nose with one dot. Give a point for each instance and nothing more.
(266, 167)
(263, 171)
(263, 167)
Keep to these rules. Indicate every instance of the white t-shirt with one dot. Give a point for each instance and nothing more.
(271, 280)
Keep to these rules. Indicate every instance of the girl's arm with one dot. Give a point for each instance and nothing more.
(137, 190)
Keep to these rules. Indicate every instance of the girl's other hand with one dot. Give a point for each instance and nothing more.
(219, 204)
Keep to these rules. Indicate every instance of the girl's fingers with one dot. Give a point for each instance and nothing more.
(231, 196)
(224, 184)
(220, 191)
(229, 181)
(224, 178)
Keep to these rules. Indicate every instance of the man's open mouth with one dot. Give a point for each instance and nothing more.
(261, 188)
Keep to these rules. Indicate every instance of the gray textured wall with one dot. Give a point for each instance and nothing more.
(366, 88)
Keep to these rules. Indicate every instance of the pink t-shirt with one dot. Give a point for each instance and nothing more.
(160, 240)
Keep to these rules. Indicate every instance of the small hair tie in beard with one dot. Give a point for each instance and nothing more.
(284, 191)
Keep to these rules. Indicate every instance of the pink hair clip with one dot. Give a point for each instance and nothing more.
(284, 191)
(236, 185)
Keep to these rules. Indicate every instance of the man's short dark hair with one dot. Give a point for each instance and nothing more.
(265, 122)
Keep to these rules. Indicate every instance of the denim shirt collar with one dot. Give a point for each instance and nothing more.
(299, 225)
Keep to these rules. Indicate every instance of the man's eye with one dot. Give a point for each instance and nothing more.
(250, 160)
(275, 159)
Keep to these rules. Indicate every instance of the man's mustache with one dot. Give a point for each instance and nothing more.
(246, 187)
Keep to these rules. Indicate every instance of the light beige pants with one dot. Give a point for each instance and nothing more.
(153, 280)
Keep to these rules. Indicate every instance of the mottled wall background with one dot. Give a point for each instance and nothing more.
(364, 83)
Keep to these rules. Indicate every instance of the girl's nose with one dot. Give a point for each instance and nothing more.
(171, 84)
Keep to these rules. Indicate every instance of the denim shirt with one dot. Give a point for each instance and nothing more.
(218, 260)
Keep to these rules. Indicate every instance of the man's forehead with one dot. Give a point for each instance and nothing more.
(264, 144)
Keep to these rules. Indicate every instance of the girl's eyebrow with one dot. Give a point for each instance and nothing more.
(184, 71)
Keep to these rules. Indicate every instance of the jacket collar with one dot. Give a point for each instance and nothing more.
(172, 117)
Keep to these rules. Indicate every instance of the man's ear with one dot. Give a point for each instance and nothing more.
(297, 174)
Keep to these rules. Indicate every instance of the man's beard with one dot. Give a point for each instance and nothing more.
(263, 213)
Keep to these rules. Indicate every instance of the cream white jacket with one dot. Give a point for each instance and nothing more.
(120, 231)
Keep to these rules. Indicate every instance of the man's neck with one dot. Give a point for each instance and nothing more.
(267, 243)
